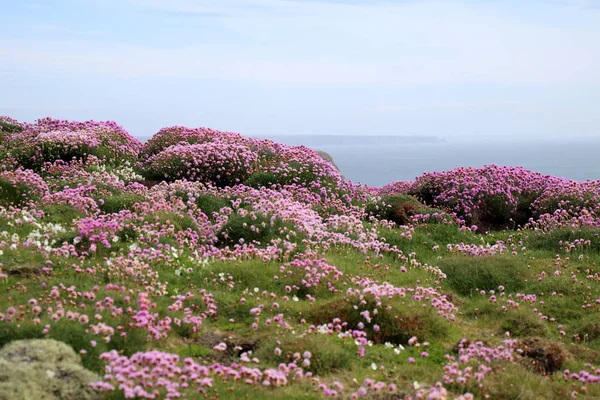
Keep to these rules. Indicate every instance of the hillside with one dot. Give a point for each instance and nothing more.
(206, 264)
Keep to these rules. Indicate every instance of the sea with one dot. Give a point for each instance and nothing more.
(379, 160)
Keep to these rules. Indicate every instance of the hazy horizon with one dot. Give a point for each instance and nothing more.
(457, 69)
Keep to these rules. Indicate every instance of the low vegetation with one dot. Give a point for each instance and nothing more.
(203, 264)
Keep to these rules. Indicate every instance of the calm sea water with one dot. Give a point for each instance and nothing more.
(378, 160)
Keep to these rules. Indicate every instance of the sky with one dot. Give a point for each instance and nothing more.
(455, 69)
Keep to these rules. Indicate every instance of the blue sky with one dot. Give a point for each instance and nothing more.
(461, 69)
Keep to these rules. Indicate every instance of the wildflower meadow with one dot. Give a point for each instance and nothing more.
(203, 264)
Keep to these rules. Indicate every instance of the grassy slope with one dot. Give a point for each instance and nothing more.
(335, 359)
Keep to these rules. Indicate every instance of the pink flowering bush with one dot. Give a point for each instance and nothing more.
(218, 163)
(490, 195)
(500, 197)
(178, 135)
(48, 140)
(20, 185)
(571, 196)
(397, 187)
(292, 165)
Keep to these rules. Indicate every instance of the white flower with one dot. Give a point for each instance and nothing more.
(374, 366)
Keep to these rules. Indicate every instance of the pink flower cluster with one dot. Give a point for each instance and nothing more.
(218, 163)
(154, 374)
(462, 371)
(500, 194)
(438, 301)
(178, 135)
(48, 140)
(397, 187)
(35, 183)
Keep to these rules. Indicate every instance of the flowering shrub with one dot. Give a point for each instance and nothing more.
(219, 163)
(490, 195)
(175, 135)
(500, 197)
(19, 185)
(571, 196)
(397, 187)
(292, 165)
(49, 140)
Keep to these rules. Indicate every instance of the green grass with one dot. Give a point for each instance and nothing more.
(119, 202)
(14, 194)
(468, 275)
(530, 272)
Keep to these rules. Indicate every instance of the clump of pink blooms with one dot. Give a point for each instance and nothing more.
(475, 361)
(180, 135)
(154, 375)
(492, 192)
(397, 187)
(35, 183)
(48, 140)
(220, 163)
